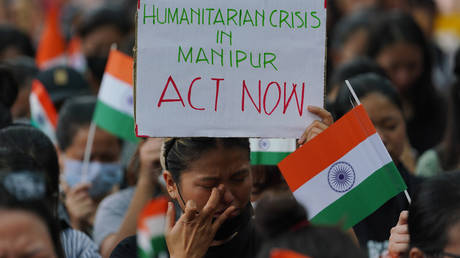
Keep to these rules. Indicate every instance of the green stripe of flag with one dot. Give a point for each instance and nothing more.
(364, 199)
(115, 122)
(267, 158)
(159, 248)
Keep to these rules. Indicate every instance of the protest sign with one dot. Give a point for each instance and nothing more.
(228, 68)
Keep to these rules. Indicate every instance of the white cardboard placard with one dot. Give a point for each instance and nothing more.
(222, 68)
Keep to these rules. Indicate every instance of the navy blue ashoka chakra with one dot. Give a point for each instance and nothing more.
(341, 177)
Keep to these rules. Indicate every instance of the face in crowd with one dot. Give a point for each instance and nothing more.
(228, 168)
(388, 121)
(194, 166)
(23, 234)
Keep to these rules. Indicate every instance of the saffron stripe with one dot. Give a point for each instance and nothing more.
(364, 199)
(42, 95)
(353, 128)
(120, 66)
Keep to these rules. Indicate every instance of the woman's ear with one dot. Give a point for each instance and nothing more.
(170, 184)
(416, 253)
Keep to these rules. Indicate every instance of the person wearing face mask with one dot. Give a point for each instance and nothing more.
(210, 183)
(116, 216)
(100, 28)
(381, 101)
(104, 173)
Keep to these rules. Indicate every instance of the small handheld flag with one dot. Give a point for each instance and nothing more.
(265, 151)
(52, 47)
(43, 112)
(281, 253)
(345, 173)
(115, 106)
(150, 231)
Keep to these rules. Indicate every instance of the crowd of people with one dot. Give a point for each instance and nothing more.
(404, 71)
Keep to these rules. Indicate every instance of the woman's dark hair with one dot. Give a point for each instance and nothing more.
(434, 211)
(283, 221)
(13, 160)
(449, 149)
(74, 114)
(426, 124)
(34, 143)
(267, 177)
(8, 201)
(12, 37)
(103, 16)
(395, 27)
(24, 69)
(8, 94)
(357, 66)
(178, 153)
(350, 24)
(364, 85)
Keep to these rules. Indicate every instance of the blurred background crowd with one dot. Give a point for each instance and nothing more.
(401, 56)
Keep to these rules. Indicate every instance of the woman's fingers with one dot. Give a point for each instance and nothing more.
(313, 133)
(312, 130)
(399, 238)
(84, 187)
(222, 218)
(399, 248)
(326, 116)
(212, 203)
(316, 127)
(170, 217)
(190, 211)
(303, 139)
(403, 217)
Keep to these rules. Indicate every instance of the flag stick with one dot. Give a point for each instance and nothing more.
(87, 156)
(352, 92)
(408, 197)
(359, 103)
(89, 142)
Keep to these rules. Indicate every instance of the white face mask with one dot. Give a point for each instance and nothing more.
(102, 176)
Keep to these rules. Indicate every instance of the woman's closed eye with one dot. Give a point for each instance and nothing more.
(207, 187)
(240, 176)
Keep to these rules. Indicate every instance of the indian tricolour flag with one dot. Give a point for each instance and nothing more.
(51, 50)
(115, 106)
(265, 151)
(151, 242)
(43, 112)
(345, 173)
(282, 253)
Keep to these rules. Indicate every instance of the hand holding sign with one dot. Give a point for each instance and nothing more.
(317, 126)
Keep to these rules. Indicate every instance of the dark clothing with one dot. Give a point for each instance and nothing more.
(374, 231)
(245, 244)
(427, 125)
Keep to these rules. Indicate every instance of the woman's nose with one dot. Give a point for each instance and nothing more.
(228, 196)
